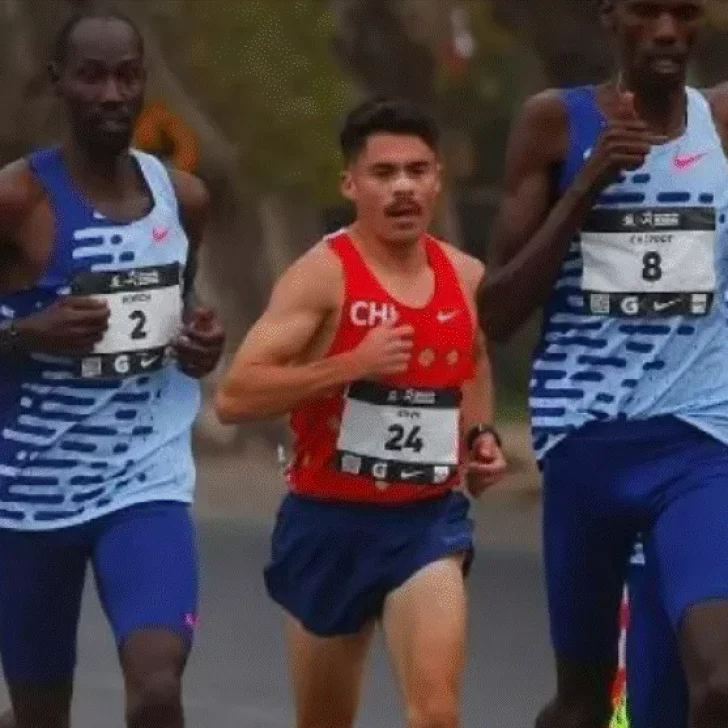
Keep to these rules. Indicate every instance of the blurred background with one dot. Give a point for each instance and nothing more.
(249, 95)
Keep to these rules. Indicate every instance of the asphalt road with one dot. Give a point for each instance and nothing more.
(237, 676)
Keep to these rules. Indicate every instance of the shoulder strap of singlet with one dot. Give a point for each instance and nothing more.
(158, 178)
(357, 276)
(700, 115)
(585, 122)
(698, 105)
(448, 280)
(449, 289)
(49, 169)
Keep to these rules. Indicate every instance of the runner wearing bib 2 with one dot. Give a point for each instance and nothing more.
(615, 217)
(100, 349)
(370, 343)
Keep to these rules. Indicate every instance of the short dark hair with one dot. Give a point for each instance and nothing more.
(63, 37)
(386, 116)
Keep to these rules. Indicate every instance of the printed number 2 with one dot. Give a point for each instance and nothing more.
(138, 332)
(402, 440)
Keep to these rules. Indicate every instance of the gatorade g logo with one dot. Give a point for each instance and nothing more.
(630, 305)
(372, 313)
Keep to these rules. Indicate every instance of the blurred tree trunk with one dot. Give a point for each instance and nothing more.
(389, 48)
(566, 35)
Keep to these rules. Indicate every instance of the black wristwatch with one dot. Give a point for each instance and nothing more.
(482, 428)
(8, 337)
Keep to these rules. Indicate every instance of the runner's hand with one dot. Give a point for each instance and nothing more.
(199, 346)
(70, 326)
(623, 145)
(385, 350)
(486, 464)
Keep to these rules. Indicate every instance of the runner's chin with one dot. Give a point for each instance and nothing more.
(405, 228)
(111, 137)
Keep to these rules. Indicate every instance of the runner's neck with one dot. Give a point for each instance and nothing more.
(405, 258)
(665, 112)
(112, 176)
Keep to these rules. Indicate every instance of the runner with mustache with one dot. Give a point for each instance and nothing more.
(370, 342)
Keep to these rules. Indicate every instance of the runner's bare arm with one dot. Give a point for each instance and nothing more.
(194, 205)
(267, 377)
(529, 242)
(200, 344)
(71, 325)
(477, 404)
(19, 193)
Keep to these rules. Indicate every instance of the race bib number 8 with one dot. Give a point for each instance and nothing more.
(399, 434)
(145, 306)
(649, 262)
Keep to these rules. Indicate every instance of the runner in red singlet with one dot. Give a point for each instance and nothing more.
(370, 342)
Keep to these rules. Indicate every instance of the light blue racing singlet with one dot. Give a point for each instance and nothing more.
(82, 438)
(636, 324)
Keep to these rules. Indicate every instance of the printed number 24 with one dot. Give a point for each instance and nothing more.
(402, 440)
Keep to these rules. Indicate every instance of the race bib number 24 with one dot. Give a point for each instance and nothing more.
(409, 435)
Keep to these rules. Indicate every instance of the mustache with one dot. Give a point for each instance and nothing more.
(403, 207)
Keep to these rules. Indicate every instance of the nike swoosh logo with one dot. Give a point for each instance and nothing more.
(683, 161)
(445, 316)
(409, 474)
(160, 234)
(662, 306)
(147, 362)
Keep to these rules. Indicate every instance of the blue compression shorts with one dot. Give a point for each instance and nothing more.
(603, 485)
(145, 563)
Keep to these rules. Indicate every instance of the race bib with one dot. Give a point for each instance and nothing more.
(649, 262)
(399, 434)
(145, 307)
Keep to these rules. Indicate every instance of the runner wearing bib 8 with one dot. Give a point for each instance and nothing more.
(615, 221)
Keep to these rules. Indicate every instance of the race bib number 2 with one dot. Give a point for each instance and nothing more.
(409, 435)
(654, 262)
(145, 306)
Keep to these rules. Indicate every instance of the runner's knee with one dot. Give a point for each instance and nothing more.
(706, 663)
(710, 699)
(38, 706)
(434, 712)
(153, 662)
(154, 699)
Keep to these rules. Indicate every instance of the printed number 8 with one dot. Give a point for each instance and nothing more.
(651, 270)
